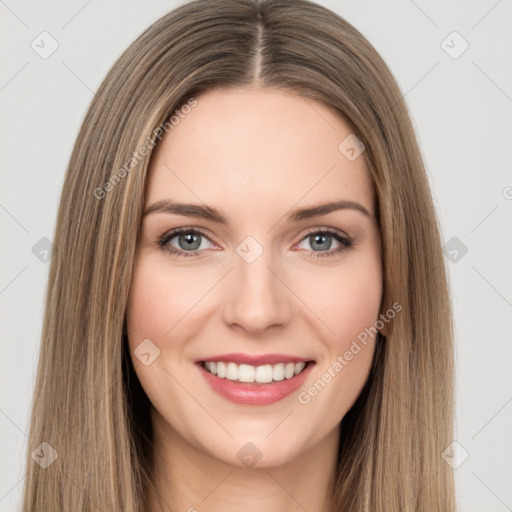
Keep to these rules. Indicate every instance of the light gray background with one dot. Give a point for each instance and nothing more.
(462, 111)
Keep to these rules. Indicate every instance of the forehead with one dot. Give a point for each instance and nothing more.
(257, 148)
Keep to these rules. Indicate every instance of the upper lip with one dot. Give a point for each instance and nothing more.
(255, 360)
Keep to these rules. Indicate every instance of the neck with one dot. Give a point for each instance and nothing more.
(188, 479)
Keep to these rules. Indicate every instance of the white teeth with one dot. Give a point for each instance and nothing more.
(299, 367)
(248, 373)
(289, 371)
(264, 373)
(211, 367)
(221, 370)
(231, 371)
(278, 372)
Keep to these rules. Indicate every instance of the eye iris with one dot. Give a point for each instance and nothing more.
(190, 238)
(321, 236)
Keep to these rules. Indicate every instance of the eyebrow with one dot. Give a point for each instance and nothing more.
(214, 215)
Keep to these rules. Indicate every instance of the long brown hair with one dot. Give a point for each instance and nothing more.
(88, 404)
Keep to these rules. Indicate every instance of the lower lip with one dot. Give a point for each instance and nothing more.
(255, 394)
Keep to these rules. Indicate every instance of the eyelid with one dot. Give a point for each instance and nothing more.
(324, 229)
(303, 234)
(341, 237)
(169, 235)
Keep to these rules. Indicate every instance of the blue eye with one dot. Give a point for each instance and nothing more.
(324, 237)
(190, 238)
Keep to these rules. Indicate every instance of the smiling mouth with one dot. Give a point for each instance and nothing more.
(249, 374)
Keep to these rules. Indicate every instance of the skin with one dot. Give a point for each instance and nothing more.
(255, 154)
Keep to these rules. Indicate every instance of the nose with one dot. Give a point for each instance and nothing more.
(257, 297)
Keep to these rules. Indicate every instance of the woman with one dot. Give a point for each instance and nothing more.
(247, 307)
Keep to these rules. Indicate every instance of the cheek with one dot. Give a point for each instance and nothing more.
(164, 306)
(158, 302)
(356, 305)
(346, 300)
(146, 305)
(157, 311)
(354, 324)
(152, 311)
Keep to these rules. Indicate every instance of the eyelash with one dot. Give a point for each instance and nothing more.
(346, 242)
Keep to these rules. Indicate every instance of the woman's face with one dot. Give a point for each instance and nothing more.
(255, 278)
